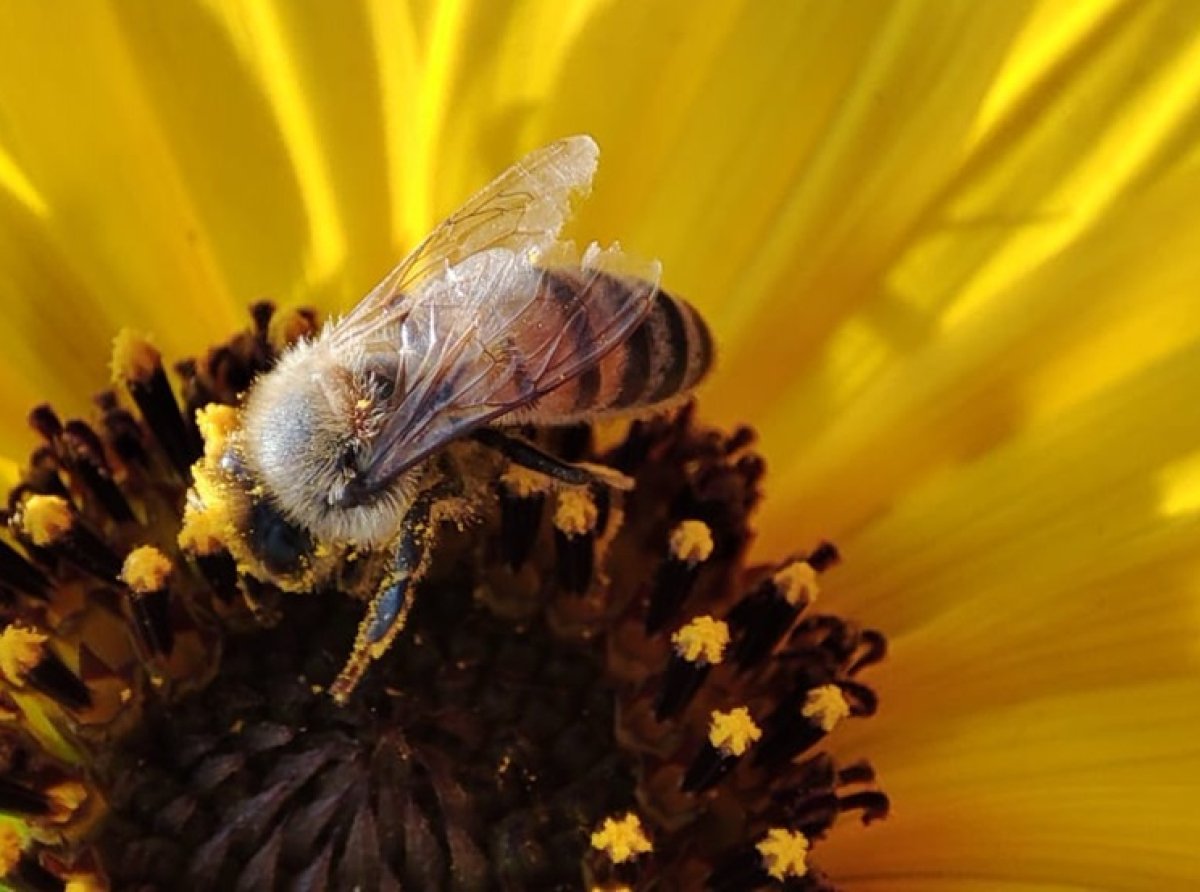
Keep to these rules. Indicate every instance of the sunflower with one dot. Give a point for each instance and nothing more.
(949, 255)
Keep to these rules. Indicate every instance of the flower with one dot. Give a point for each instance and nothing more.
(948, 252)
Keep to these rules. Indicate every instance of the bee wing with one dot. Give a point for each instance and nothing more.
(522, 210)
(491, 312)
(494, 335)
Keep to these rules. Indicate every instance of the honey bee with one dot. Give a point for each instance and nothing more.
(362, 439)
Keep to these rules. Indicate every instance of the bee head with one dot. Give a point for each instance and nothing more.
(306, 435)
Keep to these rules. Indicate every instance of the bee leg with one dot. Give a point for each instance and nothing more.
(523, 453)
(388, 611)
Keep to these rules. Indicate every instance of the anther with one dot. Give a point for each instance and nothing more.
(27, 660)
(147, 572)
(697, 647)
(778, 857)
(575, 520)
(730, 736)
(622, 839)
(201, 537)
(50, 523)
(522, 502)
(763, 617)
(137, 364)
(797, 724)
(689, 546)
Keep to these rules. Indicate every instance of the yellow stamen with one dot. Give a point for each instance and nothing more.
(622, 839)
(146, 570)
(798, 583)
(826, 706)
(134, 357)
(576, 513)
(703, 639)
(784, 854)
(733, 732)
(46, 519)
(21, 649)
(691, 542)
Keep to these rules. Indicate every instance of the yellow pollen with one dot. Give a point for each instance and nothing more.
(576, 513)
(46, 519)
(798, 583)
(21, 649)
(10, 849)
(733, 732)
(216, 422)
(523, 483)
(691, 542)
(202, 531)
(622, 839)
(784, 854)
(826, 706)
(288, 326)
(146, 570)
(703, 639)
(134, 358)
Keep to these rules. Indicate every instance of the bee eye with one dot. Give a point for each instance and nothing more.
(278, 543)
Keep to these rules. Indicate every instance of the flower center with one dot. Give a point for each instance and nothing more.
(593, 690)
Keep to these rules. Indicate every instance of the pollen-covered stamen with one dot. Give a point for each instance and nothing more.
(522, 495)
(778, 857)
(26, 660)
(697, 647)
(763, 617)
(730, 736)
(689, 546)
(799, 722)
(50, 523)
(202, 537)
(622, 839)
(147, 573)
(137, 364)
(576, 521)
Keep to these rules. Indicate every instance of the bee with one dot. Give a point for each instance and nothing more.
(361, 440)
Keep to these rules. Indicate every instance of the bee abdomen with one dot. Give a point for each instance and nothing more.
(663, 357)
(666, 355)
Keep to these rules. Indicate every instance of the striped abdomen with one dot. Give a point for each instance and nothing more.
(664, 356)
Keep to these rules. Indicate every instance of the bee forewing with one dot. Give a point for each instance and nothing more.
(522, 210)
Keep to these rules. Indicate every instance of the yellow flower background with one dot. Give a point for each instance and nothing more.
(951, 252)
